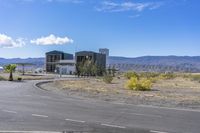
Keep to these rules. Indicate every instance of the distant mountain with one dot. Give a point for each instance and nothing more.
(156, 60)
(38, 62)
(145, 63)
(157, 63)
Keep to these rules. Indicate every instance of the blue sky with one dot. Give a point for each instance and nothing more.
(29, 28)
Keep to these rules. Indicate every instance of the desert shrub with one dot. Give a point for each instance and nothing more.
(145, 85)
(107, 79)
(19, 78)
(154, 79)
(2, 78)
(139, 85)
(149, 75)
(195, 77)
(131, 74)
(168, 76)
(152, 76)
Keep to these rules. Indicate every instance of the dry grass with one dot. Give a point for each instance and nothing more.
(173, 92)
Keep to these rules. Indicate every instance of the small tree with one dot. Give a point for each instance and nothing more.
(113, 71)
(94, 70)
(109, 70)
(10, 68)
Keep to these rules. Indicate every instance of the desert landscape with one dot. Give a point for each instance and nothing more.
(179, 90)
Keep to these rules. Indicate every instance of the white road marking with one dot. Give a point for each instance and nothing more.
(44, 116)
(116, 126)
(10, 111)
(148, 115)
(154, 131)
(75, 120)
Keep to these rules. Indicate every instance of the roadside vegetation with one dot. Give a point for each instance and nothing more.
(144, 81)
(162, 89)
(2, 78)
(10, 69)
(108, 79)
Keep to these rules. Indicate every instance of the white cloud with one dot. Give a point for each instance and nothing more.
(8, 42)
(52, 40)
(109, 6)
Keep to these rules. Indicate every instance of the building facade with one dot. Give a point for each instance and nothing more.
(53, 58)
(66, 67)
(106, 52)
(98, 59)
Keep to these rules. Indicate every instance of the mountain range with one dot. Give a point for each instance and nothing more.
(144, 63)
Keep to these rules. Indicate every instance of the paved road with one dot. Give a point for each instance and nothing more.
(26, 108)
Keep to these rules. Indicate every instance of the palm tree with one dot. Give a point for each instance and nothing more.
(10, 68)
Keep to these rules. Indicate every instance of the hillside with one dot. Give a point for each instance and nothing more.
(145, 63)
(38, 62)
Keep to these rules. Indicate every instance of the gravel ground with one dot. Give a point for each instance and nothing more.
(179, 92)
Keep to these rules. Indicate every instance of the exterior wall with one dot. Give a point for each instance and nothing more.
(101, 60)
(96, 58)
(67, 69)
(106, 52)
(52, 59)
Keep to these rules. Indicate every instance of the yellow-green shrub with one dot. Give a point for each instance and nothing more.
(139, 85)
(131, 74)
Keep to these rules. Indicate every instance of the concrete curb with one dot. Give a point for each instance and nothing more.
(37, 85)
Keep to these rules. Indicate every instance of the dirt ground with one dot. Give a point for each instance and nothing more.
(178, 92)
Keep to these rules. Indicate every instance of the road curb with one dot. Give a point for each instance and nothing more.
(37, 84)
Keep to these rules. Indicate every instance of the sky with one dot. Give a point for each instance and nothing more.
(130, 28)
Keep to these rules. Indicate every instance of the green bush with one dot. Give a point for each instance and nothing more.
(131, 74)
(139, 85)
(107, 79)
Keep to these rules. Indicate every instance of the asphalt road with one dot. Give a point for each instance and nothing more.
(26, 108)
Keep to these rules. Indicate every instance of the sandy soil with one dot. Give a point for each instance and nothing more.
(178, 92)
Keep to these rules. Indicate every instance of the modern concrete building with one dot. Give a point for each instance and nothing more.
(96, 58)
(106, 52)
(53, 59)
(63, 63)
